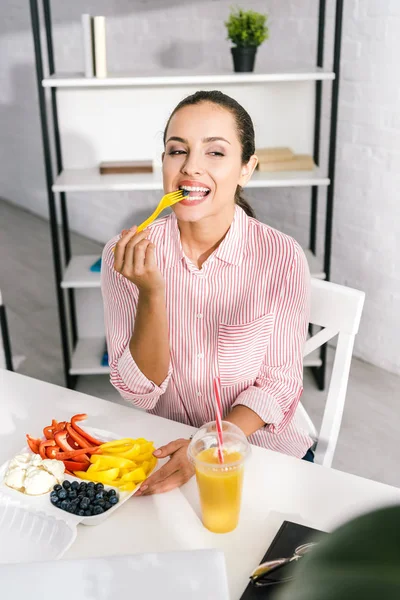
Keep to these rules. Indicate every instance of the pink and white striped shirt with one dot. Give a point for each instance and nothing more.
(243, 315)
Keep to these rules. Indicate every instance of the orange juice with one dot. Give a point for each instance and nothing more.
(220, 488)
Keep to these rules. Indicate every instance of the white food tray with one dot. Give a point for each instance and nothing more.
(29, 522)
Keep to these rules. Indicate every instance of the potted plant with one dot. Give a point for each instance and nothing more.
(247, 30)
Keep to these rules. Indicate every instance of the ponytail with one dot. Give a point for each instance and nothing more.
(242, 202)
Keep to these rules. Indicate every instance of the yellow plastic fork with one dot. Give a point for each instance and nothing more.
(166, 201)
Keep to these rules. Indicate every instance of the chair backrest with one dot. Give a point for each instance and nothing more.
(337, 310)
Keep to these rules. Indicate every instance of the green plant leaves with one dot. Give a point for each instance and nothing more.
(247, 28)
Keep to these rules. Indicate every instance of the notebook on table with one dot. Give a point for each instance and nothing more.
(289, 537)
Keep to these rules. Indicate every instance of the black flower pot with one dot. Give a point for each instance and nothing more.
(244, 58)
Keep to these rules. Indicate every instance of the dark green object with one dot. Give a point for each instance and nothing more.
(247, 28)
(358, 561)
(244, 59)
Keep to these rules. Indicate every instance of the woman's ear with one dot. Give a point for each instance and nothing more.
(248, 170)
(162, 156)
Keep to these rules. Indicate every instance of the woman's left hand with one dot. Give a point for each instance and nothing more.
(177, 471)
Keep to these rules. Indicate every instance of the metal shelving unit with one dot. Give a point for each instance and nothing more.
(83, 355)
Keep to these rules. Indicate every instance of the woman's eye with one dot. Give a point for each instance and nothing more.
(176, 152)
(216, 153)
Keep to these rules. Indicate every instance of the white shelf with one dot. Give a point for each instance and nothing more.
(78, 274)
(176, 78)
(90, 180)
(86, 359)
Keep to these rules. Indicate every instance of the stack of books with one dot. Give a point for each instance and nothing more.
(283, 159)
(94, 46)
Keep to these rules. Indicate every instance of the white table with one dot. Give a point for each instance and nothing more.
(277, 487)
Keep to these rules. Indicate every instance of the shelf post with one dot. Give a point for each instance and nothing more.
(320, 372)
(35, 20)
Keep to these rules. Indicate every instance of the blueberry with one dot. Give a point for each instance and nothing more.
(54, 499)
(99, 502)
(75, 485)
(84, 504)
(65, 505)
(53, 494)
(72, 494)
(57, 487)
(83, 485)
(107, 506)
(81, 513)
(98, 510)
(90, 494)
(99, 487)
(112, 492)
(66, 484)
(62, 494)
(113, 500)
(99, 495)
(90, 485)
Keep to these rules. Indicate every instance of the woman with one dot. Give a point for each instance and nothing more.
(208, 291)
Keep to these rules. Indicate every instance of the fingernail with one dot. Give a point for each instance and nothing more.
(143, 488)
(133, 228)
(157, 452)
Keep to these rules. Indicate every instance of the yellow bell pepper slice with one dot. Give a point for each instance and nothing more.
(117, 443)
(105, 461)
(137, 475)
(144, 457)
(99, 476)
(131, 452)
(128, 487)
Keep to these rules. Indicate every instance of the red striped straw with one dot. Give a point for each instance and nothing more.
(218, 417)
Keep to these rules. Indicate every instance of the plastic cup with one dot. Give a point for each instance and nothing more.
(220, 484)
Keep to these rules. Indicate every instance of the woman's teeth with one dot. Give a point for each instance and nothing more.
(191, 188)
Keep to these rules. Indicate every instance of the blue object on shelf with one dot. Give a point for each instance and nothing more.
(104, 360)
(96, 267)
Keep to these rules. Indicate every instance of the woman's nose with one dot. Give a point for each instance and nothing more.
(192, 165)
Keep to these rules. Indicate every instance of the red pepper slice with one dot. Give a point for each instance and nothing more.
(79, 454)
(72, 443)
(33, 443)
(43, 445)
(78, 439)
(73, 465)
(52, 451)
(48, 432)
(54, 423)
(83, 433)
(61, 440)
(60, 426)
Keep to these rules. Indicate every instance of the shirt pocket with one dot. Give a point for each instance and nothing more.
(241, 349)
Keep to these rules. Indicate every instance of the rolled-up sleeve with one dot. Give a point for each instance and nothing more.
(120, 299)
(279, 384)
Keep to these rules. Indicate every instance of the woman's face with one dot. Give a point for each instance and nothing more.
(203, 151)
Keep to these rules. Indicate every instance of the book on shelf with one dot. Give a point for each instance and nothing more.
(100, 56)
(94, 46)
(88, 45)
(126, 166)
(267, 155)
(300, 162)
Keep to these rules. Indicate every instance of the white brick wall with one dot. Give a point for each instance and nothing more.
(156, 34)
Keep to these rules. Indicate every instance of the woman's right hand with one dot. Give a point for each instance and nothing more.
(135, 259)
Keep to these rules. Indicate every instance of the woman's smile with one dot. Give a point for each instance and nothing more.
(198, 192)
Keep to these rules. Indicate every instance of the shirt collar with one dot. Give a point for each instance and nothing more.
(231, 250)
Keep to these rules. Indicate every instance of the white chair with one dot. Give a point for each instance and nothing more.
(337, 309)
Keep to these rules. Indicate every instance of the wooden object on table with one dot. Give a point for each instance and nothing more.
(300, 162)
(274, 154)
(126, 166)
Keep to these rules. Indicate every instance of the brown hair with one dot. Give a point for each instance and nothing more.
(244, 126)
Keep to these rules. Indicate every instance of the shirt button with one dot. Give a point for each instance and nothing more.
(199, 316)
(199, 394)
(200, 355)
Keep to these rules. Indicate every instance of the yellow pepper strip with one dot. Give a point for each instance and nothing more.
(144, 457)
(115, 443)
(137, 475)
(99, 476)
(133, 452)
(128, 487)
(147, 447)
(105, 461)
